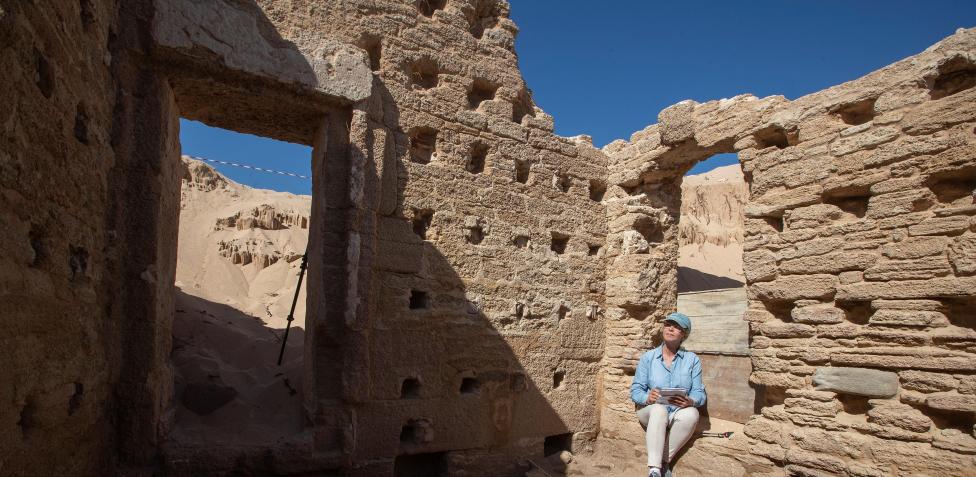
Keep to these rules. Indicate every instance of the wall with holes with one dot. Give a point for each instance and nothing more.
(860, 241)
(56, 158)
(484, 323)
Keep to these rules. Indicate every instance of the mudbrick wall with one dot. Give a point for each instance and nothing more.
(477, 294)
(859, 246)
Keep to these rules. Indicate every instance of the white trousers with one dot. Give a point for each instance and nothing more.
(666, 431)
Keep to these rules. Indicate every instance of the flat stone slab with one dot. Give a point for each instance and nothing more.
(858, 381)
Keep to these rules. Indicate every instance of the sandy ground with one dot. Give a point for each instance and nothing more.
(230, 316)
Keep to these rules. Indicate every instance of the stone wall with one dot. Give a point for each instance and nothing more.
(484, 323)
(55, 160)
(859, 245)
(474, 297)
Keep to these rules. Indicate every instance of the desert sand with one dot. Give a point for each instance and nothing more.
(238, 263)
(711, 230)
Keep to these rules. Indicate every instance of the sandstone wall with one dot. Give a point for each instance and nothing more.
(858, 253)
(474, 299)
(55, 158)
(484, 324)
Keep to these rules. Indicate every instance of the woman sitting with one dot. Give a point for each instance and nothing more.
(669, 421)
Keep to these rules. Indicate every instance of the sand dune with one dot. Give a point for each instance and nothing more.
(238, 261)
(711, 229)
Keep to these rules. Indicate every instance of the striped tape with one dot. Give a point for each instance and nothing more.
(248, 166)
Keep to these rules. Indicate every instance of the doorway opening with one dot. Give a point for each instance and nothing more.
(245, 208)
(711, 283)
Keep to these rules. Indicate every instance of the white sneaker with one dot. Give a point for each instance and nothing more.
(654, 472)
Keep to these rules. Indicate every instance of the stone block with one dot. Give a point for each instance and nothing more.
(795, 287)
(813, 407)
(759, 265)
(954, 440)
(824, 313)
(815, 460)
(857, 381)
(764, 430)
(915, 247)
(920, 305)
(927, 382)
(962, 255)
(677, 123)
(922, 268)
(952, 402)
(922, 358)
(893, 413)
(832, 263)
(778, 329)
(778, 380)
(867, 139)
(941, 226)
(908, 318)
(830, 443)
(936, 287)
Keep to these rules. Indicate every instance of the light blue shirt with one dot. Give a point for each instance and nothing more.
(685, 372)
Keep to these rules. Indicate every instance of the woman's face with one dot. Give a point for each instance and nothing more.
(672, 332)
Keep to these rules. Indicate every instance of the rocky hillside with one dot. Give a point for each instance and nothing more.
(238, 261)
(240, 246)
(711, 227)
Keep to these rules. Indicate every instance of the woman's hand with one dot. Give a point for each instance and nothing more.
(652, 396)
(681, 401)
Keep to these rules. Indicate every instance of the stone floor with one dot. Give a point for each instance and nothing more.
(703, 456)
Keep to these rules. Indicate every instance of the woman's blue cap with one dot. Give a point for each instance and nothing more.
(681, 320)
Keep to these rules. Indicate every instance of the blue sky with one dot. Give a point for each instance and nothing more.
(607, 68)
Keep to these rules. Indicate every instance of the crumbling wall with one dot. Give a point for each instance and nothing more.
(483, 331)
(858, 258)
(55, 160)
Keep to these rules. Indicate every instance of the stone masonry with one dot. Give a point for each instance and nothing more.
(479, 288)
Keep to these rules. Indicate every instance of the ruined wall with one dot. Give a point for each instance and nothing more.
(55, 161)
(484, 327)
(472, 290)
(858, 260)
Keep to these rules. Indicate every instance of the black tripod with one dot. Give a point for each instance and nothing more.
(294, 301)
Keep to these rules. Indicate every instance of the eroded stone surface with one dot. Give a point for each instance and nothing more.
(546, 266)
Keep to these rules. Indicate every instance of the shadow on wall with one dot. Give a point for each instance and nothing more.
(451, 389)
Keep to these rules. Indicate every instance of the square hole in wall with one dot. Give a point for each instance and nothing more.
(476, 158)
(557, 378)
(593, 249)
(562, 182)
(419, 300)
(559, 242)
(374, 50)
(421, 221)
(423, 142)
(520, 241)
(481, 90)
(598, 189)
(428, 7)
(470, 386)
(424, 74)
(522, 107)
(557, 443)
(855, 113)
(410, 388)
(522, 170)
(475, 235)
